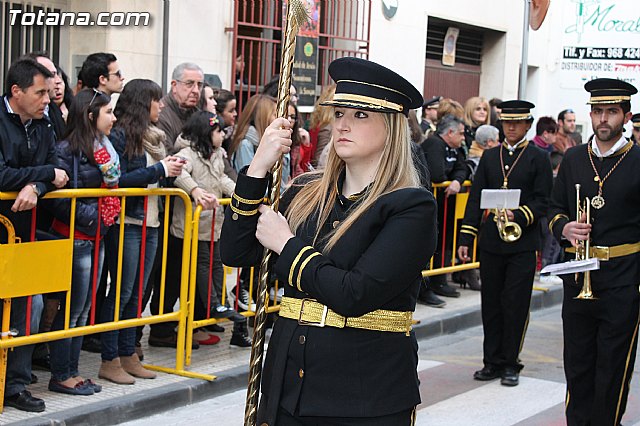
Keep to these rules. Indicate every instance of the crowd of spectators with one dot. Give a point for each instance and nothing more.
(192, 138)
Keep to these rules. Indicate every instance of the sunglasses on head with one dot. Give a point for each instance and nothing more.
(95, 93)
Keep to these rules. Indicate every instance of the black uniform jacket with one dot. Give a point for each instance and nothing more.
(344, 372)
(27, 155)
(617, 222)
(532, 175)
(445, 163)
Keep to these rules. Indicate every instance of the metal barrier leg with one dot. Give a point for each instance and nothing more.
(6, 318)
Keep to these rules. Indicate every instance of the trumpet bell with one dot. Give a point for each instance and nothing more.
(510, 232)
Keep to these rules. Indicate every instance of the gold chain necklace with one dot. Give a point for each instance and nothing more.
(505, 176)
(597, 202)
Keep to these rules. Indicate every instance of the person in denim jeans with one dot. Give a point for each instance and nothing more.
(140, 145)
(28, 165)
(89, 158)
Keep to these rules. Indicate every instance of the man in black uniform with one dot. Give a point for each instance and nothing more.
(635, 130)
(507, 269)
(430, 116)
(600, 335)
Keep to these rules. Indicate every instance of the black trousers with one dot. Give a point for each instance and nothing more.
(507, 281)
(600, 341)
(404, 418)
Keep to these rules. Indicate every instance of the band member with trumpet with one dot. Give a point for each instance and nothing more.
(508, 240)
(600, 335)
(351, 244)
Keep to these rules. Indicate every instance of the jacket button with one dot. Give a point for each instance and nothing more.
(302, 339)
(264, 424)
(301, 373)
(335, 224)
(234, 216)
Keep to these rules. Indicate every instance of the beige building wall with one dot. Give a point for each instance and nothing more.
(197, 33)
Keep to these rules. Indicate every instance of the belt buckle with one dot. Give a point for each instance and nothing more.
(601, 252)
(323, 319)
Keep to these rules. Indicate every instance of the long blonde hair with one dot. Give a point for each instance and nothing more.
(395, 171)
(258, 113)
(470, 106)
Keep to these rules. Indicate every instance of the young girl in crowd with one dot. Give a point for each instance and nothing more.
(140, 145)
(204, 179)
(259, 111)
(226, 108)
(88, 157)
(207, 98)
(351, 244)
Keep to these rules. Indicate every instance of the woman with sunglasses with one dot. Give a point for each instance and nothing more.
(88, 157)
(351, 243)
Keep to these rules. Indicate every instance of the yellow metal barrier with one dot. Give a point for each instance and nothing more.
(460, 205)
(193, 324)
(16, 282)
(60, 253)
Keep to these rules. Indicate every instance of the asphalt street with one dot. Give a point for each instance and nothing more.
(450, 396)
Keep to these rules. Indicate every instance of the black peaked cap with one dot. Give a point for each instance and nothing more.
(609, 91)
(365, 85)
(515, 110)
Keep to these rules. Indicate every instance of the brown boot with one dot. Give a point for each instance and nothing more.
(112, 371)
(131, 364)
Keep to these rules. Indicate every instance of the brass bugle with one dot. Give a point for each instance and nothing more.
(583, 246)
(508, 231)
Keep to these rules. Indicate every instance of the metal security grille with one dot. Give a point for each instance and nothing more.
(17, 39)
(468, 47)
(257, 32)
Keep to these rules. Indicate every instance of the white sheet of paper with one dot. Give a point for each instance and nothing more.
(500, 199)
(572, 267)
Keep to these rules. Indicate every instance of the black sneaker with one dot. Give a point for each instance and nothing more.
(222, 311)
(428, 297)
(214, 328)
(243, 299)
(444, 290)
(240, 340)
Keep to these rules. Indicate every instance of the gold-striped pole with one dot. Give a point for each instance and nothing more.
(296, 16)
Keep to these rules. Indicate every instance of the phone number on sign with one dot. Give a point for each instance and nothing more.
(117, 19)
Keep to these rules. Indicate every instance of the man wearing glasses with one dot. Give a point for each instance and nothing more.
(181, 101)
(101, 71)
(178, 105)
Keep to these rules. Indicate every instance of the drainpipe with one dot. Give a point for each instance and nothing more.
(524, 61)
(165, 44)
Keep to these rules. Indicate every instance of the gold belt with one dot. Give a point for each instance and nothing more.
(312, 313)
(606, 253)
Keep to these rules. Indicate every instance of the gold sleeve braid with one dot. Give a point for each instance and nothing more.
(295, 263)
(243, 206)
(468, 229)
(302, 266)
(528, 214)
(555, 219)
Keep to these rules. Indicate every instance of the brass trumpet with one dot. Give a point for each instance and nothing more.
(583, 247)
(508, 231)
